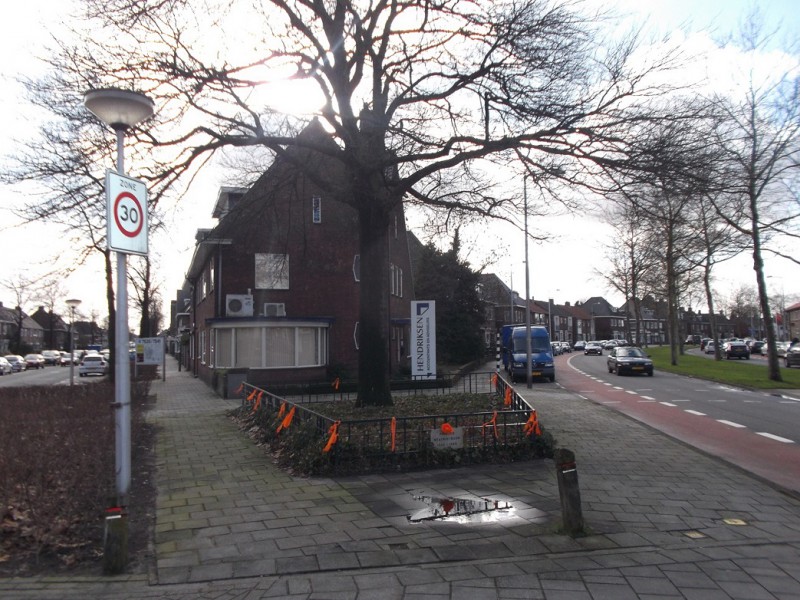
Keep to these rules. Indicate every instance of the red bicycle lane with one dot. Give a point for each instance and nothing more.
(772, 460)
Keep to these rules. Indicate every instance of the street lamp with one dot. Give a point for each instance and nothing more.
(528, 366)
(121, 110)
(73, 303)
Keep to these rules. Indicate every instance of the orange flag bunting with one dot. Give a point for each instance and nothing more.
(494, 380)
(334, 431)
(257, 403)
(336, 383)
(287, 420)
(507, 397)
(394, 431)
(532, 425)
(252, 395)
(493, 423)
(240, 388)
(282, 409)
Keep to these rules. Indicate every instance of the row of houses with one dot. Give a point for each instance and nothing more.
(42, 330)
(272, 291)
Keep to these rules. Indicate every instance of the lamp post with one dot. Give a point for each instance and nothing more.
(120, 110)
(73, 303)
(528, 366)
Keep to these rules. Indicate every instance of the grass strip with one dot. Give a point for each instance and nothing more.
(751, 373)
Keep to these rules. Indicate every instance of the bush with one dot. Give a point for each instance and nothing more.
(363, 447)
(57, 472)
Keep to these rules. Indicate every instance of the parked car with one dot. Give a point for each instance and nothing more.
(579, 346)
(67, 359)
(51, 357)
(704, 343)
(780, 348)
(758, 347)
(709, 349)
(34, 361)
(609, 344)
(593, 348)
(629, 359)
(17, 362)
(5, 367)
(692, 339)
(792, 358)
(93, 364)
(736, 349)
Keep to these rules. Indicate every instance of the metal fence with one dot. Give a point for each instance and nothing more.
(413, 441)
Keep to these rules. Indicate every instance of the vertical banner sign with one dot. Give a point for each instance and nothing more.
(423, 333)
(126, 214)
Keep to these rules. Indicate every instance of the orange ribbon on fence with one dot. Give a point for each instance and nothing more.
(494, 379)
(493, 423)
(394, 431)
(532, 425)
(447, 429)
(257, 403)
(239, 389)
(282, 409)
(507, 396)
(336, 383)
(287, 420)
(252, 395)
(334, 431)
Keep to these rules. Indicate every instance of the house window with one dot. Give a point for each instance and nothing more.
(271, 346)
(272, 271)
(316, 209)
(203, 347)
(396, 280)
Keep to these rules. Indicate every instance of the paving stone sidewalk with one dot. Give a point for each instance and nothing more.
(665, 521)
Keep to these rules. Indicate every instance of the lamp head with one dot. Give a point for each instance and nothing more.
(119, 109)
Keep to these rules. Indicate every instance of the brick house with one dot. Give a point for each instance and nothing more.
(55, 330)
(274, 287)
(31, 338)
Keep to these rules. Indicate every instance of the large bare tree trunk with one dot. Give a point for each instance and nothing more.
(373, 360)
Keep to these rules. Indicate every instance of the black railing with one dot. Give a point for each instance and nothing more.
(408, 441)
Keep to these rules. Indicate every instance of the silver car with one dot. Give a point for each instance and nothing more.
(5, 366)
(17, 362)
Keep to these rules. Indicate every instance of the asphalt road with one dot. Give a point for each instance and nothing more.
(756, 430)
(48, 376)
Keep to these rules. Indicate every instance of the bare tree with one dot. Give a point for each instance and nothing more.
(631, 259)
(147, 296)
(426, 101)
(758, 131)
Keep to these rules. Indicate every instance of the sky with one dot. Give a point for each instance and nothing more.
(567, 266)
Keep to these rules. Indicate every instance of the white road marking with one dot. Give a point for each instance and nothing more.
(667, 403)
(731, 423)
(695, 412)
(777, 438)
(632, 393)
(648, 398)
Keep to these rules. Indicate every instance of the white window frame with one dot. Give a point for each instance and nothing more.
(321, 340)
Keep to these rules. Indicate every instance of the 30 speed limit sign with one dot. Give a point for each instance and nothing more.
(126, 206)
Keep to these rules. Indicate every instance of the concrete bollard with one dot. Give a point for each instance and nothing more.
(569, 492)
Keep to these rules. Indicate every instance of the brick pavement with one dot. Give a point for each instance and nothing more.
(665, 521)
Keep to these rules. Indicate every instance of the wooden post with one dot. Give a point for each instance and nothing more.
(569, 492)
(115, 541)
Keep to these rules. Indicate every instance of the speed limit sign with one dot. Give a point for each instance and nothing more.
(126, 207)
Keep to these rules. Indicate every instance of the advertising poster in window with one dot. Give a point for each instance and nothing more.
(423, 335)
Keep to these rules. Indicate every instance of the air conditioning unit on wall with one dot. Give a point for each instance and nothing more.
(238, 305)
(274, 309)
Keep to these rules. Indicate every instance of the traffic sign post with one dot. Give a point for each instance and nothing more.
(126, 207)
